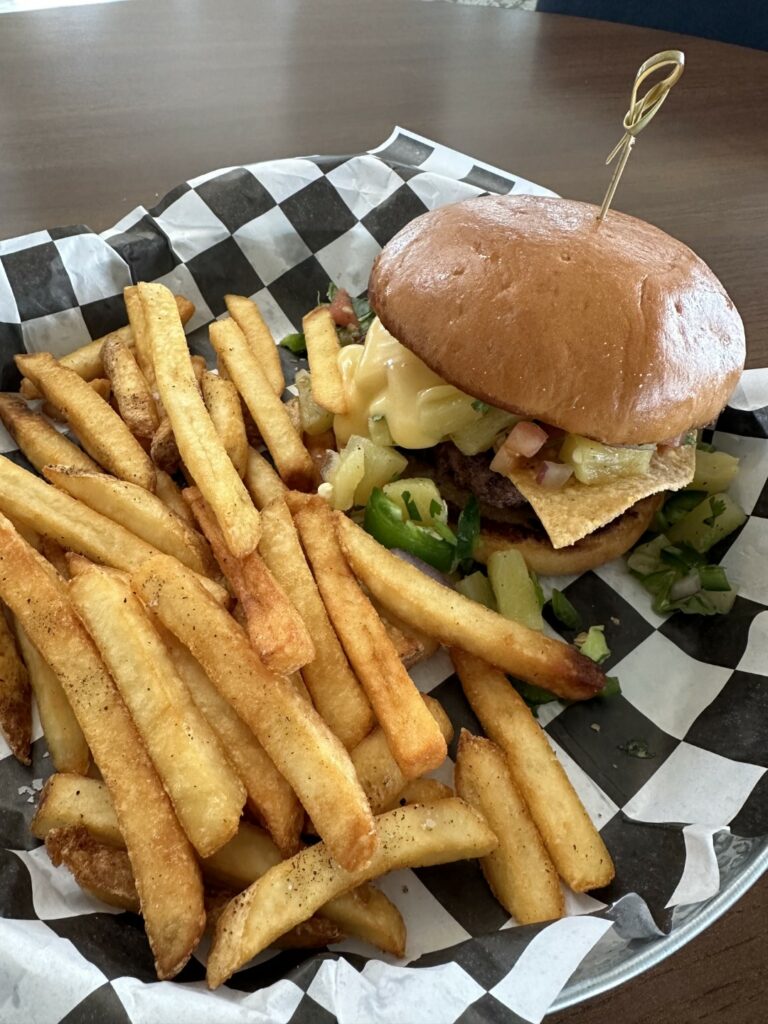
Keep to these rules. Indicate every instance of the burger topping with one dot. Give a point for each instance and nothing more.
(593, 462)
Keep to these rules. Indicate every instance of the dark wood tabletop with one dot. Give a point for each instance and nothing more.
(106, 107)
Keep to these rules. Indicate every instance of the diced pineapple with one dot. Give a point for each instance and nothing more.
(716, 517)
(480, 435)
(515, 593)
(314, 419)
(422, 495)
(593, 462)
(478, 588)
(382, 465)
(715, 472)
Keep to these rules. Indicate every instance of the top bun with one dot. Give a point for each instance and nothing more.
(615, 330)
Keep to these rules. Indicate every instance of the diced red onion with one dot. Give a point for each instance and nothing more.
(422, 566)
(503, 461)
(553, 475)
(685, 587)
(526, 438)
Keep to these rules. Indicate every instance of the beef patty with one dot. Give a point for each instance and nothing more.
(473, 473)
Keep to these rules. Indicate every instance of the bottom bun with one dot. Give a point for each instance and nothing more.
(597, 548)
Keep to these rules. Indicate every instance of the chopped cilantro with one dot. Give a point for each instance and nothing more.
(564, 611)
(636, 748)
(537, 587)
(435, 508)
(467, 532)
(481, 407)
(716, 507)
(410, 506)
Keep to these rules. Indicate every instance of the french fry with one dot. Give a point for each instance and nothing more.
(68, 800)
(274, 627)
(292, 460)
(170, 493)
(519, 871)
(99, 385)
(139, 511)
(574, 844)
(163, 449)
(248, 318)
(364, 913)
(199, 367)
(142, 343)
(66, 743)
(39, 441)
(86, 361)
(456, 621)
(411, 648)
(290, 892)
(206, 794)
(102, 387)
(167, 874)
(263, 483)
(36, 505)
(323, 354)
(223, 404)
(130, 389)
(412, 734)
(101, 870)
(335, 690)
(294, 736)
(270, 798)
(199, 444)
(15, 696)
(100, 430)
(376, 768)
(423, 791)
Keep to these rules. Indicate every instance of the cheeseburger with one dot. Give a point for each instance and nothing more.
(555, 367)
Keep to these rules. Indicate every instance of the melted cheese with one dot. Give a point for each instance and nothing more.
(383, 378)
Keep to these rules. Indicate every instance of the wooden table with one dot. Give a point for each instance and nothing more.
(102, 108)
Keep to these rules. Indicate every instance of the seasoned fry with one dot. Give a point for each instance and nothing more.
(102, 870)
(297, 740)
(66, 743)
(142, 344)
(290, 892)
(206, 794)
(15, 696)
(39, 441)
(167, 874)
(100, 430)
(170, 493)
(139, 511)
(130, 389)
(163, 449)
(86, 361)
(422, 791)
(275, 629)
(323, 353)
(412, 734)
(270, 798)
(199, 367)
(574, 844)
(519, 871)
(263, 483)
(248, 318)
(54, 553)
(223, 404)
(99, 386)
(335, 690)
(456, 621)
(292, 460)
(34, 504)
(68, 799)
(377, 769)
(199, 444)
(364, 913)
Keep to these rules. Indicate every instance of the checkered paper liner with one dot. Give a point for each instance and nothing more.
(693, 689)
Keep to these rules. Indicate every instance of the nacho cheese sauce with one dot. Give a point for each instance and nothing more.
(382, 378)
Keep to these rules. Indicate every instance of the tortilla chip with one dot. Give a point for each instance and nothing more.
(579, 509)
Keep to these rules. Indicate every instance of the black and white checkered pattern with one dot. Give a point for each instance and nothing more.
(693, 689)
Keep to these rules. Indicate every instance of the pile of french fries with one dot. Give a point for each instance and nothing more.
(236, 740)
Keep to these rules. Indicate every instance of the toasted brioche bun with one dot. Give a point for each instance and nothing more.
(602, 546)
(615, 331)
